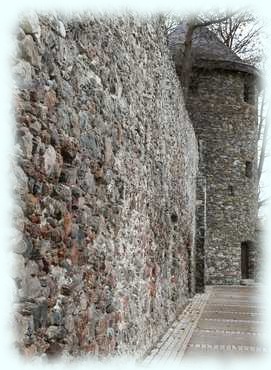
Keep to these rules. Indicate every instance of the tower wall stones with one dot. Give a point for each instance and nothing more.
(106, 170)
(200, 237)
(225, 122)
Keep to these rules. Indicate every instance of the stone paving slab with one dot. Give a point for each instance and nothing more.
(232, 325)
(223, 351)
(236, 302)
(235, 329)
(212, 314)
(236, 297)
(224, 321)
(223, 348)
(231, 308)
(174, 342)
(222, 338)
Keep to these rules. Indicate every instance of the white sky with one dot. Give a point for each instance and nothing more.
(9, 14)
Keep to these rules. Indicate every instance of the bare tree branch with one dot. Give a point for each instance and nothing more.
(263, 147)
(263, 202)
(261, 116)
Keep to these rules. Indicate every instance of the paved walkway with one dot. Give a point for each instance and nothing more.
(224, 322)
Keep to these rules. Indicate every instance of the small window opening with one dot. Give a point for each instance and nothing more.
(193, 86)
(231, 190)
(249, 91)
(174, 218)
(249, 169)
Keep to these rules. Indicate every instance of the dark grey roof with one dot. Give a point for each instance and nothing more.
(207, 50)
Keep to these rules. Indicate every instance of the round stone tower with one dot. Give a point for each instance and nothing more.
(222, 105)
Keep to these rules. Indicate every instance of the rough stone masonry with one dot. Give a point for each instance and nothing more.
(222, 104)
(106, 160)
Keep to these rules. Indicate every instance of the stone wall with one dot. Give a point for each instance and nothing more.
(225, 123)
(258, 253)
(200, 234)
(106, 166)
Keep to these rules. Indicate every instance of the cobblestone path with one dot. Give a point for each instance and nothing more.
(224, 322)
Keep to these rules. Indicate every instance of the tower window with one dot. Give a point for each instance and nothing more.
(249, 91)
(231, 190)
(249, 169)
(193, 87)
(174, 218)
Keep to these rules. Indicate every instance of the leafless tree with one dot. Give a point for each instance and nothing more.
(241, 33)
(263, 137)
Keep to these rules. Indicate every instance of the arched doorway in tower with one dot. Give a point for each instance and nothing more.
(246, 260)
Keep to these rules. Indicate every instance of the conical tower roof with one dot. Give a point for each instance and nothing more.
(207, 50)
